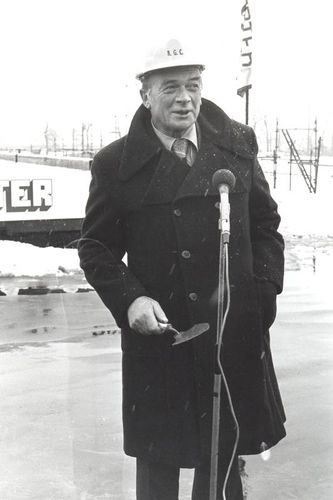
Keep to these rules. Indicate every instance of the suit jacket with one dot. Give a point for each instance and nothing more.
(142, 202)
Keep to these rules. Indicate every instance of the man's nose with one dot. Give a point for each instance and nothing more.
(183, 95)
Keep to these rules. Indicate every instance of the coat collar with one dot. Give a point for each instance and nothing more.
(142, 144)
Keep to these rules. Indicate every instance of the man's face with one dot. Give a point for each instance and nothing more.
(174, 98)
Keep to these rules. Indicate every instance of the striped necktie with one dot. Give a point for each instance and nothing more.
(181, 147)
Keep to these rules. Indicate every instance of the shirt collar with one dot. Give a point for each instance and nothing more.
(167, 141)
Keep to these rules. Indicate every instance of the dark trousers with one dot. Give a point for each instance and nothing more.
(161, 482)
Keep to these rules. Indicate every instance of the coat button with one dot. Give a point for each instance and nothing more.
(193, 296)
(177, 212)
(186, 254)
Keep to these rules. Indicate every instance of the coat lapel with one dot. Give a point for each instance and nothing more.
(199, 180)
(168, 175)
(141, 145)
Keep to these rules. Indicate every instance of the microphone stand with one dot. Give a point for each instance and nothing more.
(223, 284)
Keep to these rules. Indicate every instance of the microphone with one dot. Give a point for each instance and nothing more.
(224, 181)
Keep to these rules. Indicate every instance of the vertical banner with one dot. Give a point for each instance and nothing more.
(244, 77)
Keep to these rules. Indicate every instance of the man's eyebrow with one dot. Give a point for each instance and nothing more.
(166, 82)
(175, 80)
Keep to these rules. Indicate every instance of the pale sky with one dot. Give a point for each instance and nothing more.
(68, 61)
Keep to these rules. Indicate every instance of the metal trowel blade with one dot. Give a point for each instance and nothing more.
(191, 333)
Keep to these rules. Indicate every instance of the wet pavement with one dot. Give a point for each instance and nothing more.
(300, 467)
(60, 415)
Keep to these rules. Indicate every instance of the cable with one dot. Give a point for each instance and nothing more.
(219, 347)
(78, 241)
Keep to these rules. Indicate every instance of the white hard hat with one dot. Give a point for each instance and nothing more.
(169, 55)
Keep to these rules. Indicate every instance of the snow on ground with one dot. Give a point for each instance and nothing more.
(23, 259)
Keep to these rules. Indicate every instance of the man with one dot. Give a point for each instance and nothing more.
(153, 199)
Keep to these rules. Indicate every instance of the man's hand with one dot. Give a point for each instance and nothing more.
(144, 316)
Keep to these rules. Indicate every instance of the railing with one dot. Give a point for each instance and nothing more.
(294, 155)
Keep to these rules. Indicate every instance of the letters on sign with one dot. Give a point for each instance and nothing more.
(22, 195)
(246, 28)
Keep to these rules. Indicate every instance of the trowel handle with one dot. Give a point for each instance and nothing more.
(164, 325)
(168, 328)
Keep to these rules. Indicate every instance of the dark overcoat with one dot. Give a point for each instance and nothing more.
(142, 202)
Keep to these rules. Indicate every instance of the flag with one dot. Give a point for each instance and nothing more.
(244, 77)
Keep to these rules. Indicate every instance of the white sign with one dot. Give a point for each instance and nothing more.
(41, 192)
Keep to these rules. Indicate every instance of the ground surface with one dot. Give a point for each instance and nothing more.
(61, 436)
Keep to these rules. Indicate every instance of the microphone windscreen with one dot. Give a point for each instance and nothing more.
(223, 176)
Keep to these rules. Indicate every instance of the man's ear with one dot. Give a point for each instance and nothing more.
(145, 98)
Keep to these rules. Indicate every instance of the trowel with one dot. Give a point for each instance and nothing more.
(191, 333)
